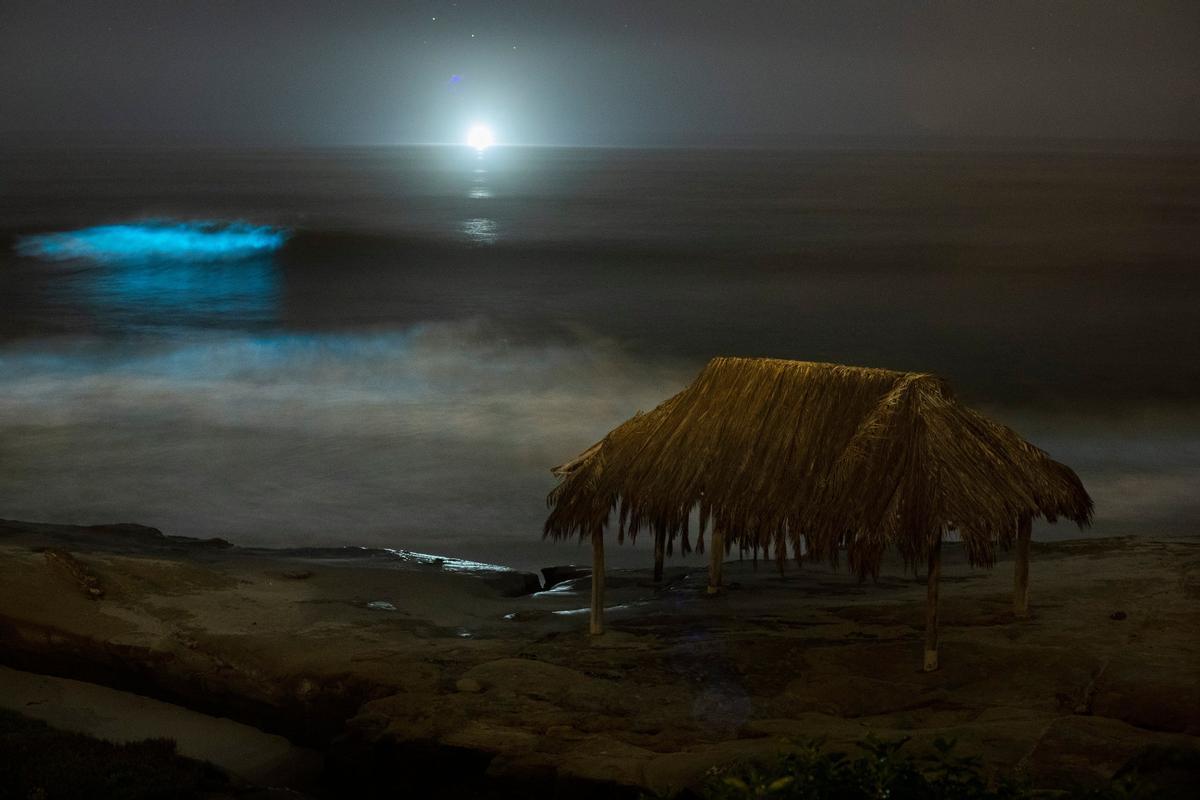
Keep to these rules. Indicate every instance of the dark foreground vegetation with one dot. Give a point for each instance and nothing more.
(38, 762)
(882, 771)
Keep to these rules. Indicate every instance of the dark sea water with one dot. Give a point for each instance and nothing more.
(441, 327)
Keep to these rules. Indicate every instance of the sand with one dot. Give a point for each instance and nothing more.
(386, 662)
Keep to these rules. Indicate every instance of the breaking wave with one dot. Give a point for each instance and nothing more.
(197, 240)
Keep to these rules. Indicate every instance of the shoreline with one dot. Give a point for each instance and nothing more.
(384, 662)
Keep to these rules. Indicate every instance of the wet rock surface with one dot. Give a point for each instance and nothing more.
(552, 576)
(508, 695)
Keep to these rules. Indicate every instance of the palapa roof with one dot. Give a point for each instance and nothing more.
(830, 456)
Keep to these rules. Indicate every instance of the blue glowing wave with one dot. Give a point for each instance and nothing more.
(157, 240)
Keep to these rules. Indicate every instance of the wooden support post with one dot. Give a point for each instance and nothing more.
(931, 605)
(716, 558)
(1021, 568)
(660, 552)
(597, 626)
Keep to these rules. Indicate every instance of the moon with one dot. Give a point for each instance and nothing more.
(480, 137)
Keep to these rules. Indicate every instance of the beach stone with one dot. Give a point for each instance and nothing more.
(1173, 771)
(604, 759)
(297, 574)
(525, 676)
(1156, 696)
(381, 605)
(469, 685)
(1087, 751)
(565, 733)
(511, 583)
(492, 738)
(556, 575)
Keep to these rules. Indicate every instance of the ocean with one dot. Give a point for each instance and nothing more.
(440, 326)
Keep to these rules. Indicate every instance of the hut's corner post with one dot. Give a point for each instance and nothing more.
(716, 558)
(931, 607)
(1021, 568)
(660, 551)
(597, 624)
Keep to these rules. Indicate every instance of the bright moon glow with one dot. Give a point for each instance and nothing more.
(480, 137)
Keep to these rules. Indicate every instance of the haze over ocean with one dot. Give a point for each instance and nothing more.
(441, 327)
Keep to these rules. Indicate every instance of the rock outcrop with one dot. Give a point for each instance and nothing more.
(398, 665)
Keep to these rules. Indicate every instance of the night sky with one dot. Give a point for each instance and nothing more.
(694, 72)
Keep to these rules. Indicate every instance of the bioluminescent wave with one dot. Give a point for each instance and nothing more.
(156, 239)
(163, 273)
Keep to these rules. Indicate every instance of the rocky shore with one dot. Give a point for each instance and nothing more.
(407, 670)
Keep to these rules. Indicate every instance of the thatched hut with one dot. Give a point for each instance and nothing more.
(824, 458)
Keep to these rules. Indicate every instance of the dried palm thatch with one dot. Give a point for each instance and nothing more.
(818, 456)
(821, 457)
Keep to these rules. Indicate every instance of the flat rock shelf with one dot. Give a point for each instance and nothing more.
(411, 670)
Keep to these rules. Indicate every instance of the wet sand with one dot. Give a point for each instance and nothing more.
(390, 662)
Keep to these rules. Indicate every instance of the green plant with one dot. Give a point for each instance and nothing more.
(881, 772)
